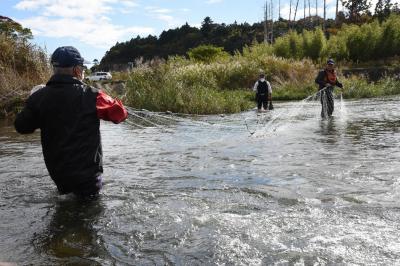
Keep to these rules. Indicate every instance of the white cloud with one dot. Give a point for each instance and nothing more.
(154, 9)
(163, 14)
(128, 3)
(95, 32)
(86, 21)
(162, 11)
(31, 4)
(214, 1)
(70, 8)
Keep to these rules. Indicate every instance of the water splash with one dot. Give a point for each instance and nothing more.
(342, 108)
(287, 117)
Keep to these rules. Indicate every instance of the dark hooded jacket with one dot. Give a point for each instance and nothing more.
(65, 112)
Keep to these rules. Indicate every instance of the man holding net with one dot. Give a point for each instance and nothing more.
(327, 80)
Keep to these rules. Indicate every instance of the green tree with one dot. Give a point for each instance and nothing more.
(206, 26)
(363, 43)
(207, 53)
(383, 9)
(356, 9)
(314, 44)
(390, 41)
(10, 28)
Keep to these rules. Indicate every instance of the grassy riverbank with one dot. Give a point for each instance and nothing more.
(210, 81)
(189, 86)
(221, 86)
(224, 85)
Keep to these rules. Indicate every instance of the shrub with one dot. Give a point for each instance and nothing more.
(207, 53)
(22, 66)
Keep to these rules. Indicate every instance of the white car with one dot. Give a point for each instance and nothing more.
(96, 76)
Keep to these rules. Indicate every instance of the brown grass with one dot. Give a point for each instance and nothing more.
(22, 66)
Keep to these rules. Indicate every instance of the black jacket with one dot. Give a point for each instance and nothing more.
(65, 112)
(322, 80)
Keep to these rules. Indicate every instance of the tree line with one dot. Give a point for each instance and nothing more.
(233, 37)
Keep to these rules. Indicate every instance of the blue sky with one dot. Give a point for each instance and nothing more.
(93, 26)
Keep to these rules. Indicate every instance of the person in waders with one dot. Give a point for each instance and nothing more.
(68, 112)
(326, 81)
(263, 93)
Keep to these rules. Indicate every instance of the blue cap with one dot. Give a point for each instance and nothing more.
(67, 56)
(330, 62)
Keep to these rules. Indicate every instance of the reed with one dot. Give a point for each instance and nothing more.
(22, 66)
(224, 86)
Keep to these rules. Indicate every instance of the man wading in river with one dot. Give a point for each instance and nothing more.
(326, 80)
(263, 93)
(67, 111)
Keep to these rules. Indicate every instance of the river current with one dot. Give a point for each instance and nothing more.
(281, 188)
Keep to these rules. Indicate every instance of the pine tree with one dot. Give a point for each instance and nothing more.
(356, 8)
(383, 9)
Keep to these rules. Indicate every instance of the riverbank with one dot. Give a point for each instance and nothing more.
(188, 86)
(22, 66)
(221, 86)
(142, 92)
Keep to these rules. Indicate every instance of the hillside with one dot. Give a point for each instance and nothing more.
(232, 37)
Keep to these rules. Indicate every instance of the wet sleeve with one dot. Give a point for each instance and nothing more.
(110, 109)
(27, 121)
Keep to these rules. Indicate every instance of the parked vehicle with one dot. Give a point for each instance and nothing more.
(96, 76)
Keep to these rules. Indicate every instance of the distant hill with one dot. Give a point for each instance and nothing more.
(232, 37)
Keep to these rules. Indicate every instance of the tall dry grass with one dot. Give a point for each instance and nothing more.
(22, 66)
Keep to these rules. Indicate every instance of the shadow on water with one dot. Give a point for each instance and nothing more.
(71, 236)
(328, 126)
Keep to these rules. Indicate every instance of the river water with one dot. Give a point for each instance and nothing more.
(281, 188)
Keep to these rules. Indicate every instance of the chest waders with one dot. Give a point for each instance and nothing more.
(327, 102)
(262, 95)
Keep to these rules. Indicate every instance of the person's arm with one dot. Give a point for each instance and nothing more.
(255, 86)
(320, 80)
(110, 109)
(340, 85)
(27, 120)
(269, 91)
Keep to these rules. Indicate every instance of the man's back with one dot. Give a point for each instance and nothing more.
(65, 111)
(262, 87)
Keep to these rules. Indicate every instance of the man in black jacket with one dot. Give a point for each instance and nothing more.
(327, 80)
(67, 112)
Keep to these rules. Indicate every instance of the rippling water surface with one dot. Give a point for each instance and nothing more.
(283, 188)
